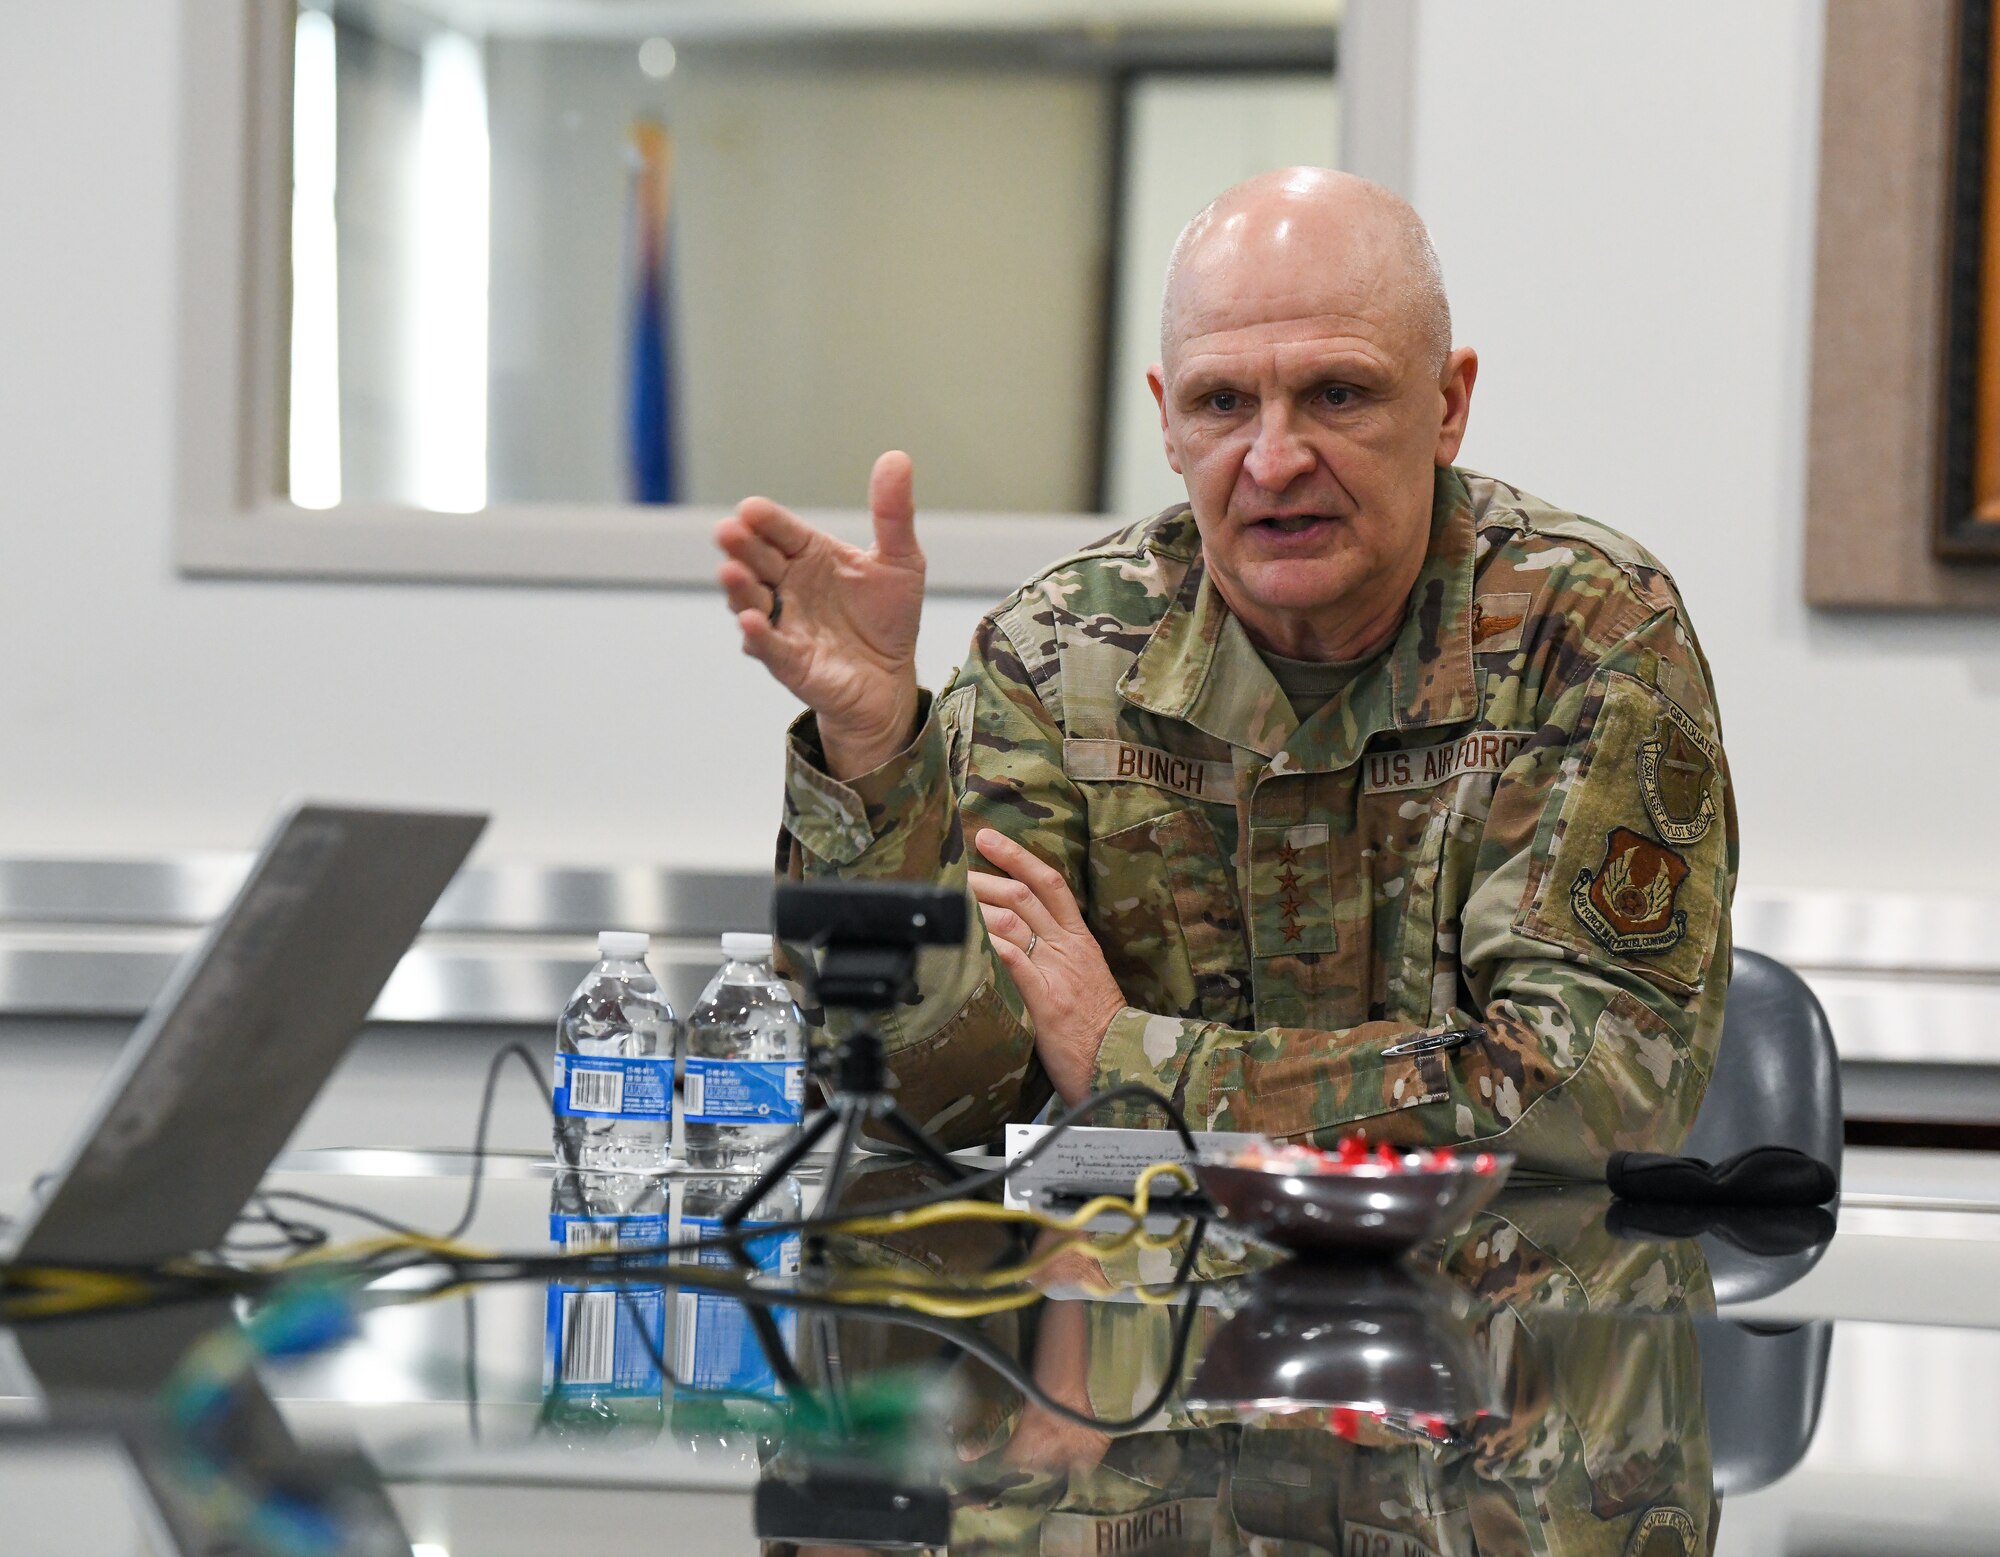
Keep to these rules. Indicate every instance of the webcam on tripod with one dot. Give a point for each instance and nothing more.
(868, 934)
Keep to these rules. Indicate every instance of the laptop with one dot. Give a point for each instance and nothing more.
(224, 1065)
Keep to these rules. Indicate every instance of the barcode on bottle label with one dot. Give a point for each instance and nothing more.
(586, 1234)
(590, 1330)
(685, 1326)
(615, 1086)
(582, 1234)
(602, 1091)
(696, 1094)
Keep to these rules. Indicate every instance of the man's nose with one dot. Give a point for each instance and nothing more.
(1278, 456)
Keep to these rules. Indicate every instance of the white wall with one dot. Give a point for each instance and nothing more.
(142, 712)
(1623, 199)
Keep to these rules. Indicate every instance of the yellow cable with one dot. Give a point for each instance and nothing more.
(985, 1211)
(362, 1248)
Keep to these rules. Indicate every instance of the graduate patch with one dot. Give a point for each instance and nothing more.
(1663, 1531)
(1677, 777)
(1627, 903)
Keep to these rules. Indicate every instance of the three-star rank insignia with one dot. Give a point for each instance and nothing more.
(1664, 1531)
(1627, 903)
(1677, 777)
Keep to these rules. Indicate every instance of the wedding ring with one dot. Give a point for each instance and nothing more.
(1034, 940)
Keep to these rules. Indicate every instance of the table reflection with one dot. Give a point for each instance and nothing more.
(1550, 1377)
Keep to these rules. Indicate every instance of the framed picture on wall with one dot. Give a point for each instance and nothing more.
(1968, 515)
(1902, 477)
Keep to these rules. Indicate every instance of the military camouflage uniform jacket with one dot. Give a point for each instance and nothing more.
(1481, 896)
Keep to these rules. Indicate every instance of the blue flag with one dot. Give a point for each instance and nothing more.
(652, 473)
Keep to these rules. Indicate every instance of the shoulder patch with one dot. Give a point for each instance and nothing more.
(1627, 903)
(1603, 878)
(1677, 774)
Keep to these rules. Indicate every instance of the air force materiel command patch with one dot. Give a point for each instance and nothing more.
(1628, 902)
(1677, 776)
(1664, 1531)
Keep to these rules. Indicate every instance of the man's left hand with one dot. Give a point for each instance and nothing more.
(1039, 935)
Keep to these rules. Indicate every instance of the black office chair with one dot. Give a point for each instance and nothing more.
(1777, 1077)
(1776, 1083)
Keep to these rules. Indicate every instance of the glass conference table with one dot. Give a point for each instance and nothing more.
(1564, 1374)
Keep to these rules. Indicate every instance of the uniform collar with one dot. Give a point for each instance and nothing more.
(1200, 667)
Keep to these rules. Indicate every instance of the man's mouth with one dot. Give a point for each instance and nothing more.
(1291, 524)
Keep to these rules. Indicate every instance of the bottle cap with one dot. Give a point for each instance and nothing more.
(742, 946)
(623, 945)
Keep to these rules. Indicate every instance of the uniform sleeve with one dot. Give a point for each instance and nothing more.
(1593, 954)
(987, 754)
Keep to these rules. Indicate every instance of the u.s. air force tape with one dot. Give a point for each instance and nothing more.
(1483, 751)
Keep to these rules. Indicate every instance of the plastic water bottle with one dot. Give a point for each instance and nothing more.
(715, 1345)
(614, 1071)
(592, 1213)
(744, 1081)
(603, 1345)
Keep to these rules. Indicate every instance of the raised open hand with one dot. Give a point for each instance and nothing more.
(836, 625)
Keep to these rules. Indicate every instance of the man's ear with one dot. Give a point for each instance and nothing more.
(1461, 368)
(1156, 380)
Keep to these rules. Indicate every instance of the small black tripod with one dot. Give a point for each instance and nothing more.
(870, 933)
(860, 1095)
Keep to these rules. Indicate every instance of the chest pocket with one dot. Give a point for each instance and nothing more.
(1424, 811)
(1164, 908)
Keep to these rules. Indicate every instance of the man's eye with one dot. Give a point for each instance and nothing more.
(1224, 400)
(1337, 395)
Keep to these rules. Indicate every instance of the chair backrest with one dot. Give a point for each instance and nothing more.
(1763, 1386)
(1777, 1077)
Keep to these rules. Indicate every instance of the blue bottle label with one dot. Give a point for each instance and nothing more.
(716, 1347)
(604, 1340)
(603, 1086)
(587, 1234)
(726, 1092)
(715, 1344)
(775, 1255)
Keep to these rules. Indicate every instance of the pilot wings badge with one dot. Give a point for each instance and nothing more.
(1677, 777)
(1628, 902)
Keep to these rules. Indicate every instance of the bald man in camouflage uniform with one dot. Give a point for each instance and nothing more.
(1359, 791)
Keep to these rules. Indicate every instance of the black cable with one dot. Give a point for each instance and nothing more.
(612, 1261)
(471, 1311)
(519, 1051)
(615, 1264)
(607, 1263)
(987, 1178)
(515, 1050)
(970, 1341)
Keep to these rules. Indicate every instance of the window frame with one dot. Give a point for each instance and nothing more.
(234, 296)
